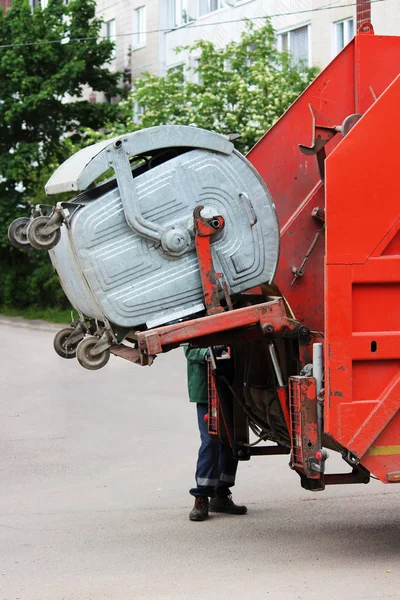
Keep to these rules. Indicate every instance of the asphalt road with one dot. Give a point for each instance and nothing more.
(94, 477)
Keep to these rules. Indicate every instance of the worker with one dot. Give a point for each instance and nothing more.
(216, 467)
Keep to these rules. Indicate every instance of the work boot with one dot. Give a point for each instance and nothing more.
(225, 504)
(200, 510)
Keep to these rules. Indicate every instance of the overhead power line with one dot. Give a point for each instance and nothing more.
(191, 25)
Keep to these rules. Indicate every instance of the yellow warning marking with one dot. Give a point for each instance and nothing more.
(384, 450)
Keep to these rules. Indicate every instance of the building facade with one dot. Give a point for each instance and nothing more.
(133, 26)
(147, 32)
(312, 30)
(222, 21)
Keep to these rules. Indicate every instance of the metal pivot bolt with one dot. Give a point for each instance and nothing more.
(175, 240)
(304, 331)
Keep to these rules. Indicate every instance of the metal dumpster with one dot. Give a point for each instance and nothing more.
(126, 252)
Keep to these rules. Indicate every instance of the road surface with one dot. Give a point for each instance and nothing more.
(95, 472)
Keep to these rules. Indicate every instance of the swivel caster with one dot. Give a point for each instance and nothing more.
(17, 233)
(61, 345)
(38, 237)
(90, 358)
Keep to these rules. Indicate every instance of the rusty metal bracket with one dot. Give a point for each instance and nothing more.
(204, 229)
(224, 285)
(133, 355)
(268, 450)
(318, 214)
(304, 427)
(299, 271)
(259, 317)
(366, 28)
(358, 475)
(322, 133)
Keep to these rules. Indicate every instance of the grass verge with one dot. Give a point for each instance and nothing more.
(53, 315)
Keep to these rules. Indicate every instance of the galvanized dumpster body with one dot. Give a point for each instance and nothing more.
(127, 267)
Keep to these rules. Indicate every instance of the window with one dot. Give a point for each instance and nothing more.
(179, 13)
(139, 27)
(208, 6)
(284, 40)
(138, 112)
(177, 69)
(344, 32)
(110, 33)
(191, 72)
(297, 42)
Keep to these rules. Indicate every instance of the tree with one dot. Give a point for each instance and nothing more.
(46, 58)
(243, 88)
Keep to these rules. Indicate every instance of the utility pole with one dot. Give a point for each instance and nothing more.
(363, 12)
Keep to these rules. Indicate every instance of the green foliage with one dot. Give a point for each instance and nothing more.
(243, 88)
(35, 80)
(54, 315)
(38, 128)
(30, 282)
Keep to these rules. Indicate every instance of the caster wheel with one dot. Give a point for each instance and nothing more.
(60, 343)
(87, 359)
(17, 233)
(37, 238)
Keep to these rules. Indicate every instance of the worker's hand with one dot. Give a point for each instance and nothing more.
(218, 351)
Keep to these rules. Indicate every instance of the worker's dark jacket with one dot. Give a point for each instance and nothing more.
(197, 374)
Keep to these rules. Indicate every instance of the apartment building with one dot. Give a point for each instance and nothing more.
(147, 32)
(332, 29)
(223, 20)
(312, 30)
(133, 26)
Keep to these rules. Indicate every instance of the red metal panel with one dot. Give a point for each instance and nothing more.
(376, 66)
(383, 457)
(362, 326)
(288, 173)
(294, 182)
(351, 83)
(363, 245)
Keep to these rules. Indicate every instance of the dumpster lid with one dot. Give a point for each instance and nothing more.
(85, 166)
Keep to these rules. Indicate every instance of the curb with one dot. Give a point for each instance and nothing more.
(36, 325)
